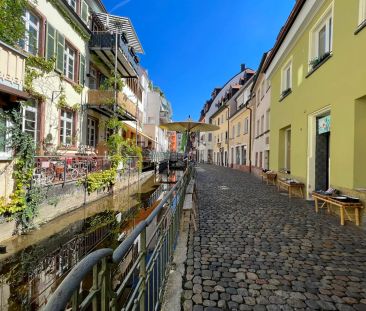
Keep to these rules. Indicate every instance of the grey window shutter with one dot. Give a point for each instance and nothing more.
(82, 69)
(84, 11)
(60, 52)
(51, 41)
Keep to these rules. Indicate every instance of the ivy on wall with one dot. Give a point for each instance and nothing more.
(24, 201)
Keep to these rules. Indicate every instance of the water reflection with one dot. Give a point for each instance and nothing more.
(29, 276)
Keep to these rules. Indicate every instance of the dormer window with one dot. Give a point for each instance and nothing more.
(73, 4)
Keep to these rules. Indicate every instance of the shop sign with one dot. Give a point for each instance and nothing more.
(324, 125)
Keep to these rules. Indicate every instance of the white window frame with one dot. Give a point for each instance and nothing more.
(33, 109)
(68, 57)
(238, 129)
(63, 121)
(29, 24)
(362, 12)
(327, 21)
(7, 153)
(73, 4)
(89, 128)
(286, 85)
(246, 125)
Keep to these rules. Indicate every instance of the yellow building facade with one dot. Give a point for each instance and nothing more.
(318, 100)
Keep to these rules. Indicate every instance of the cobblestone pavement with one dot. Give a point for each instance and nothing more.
(256, 249)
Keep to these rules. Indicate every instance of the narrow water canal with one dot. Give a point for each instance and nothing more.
(37, 262)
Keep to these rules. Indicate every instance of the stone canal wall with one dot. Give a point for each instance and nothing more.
(61, 199)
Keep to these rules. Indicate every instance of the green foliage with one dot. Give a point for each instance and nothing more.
(78, 88)
(12, 27)
(36, 67)
(158, 90)
(109, 84)
(24, 201)
(62, 103)
(100, 180)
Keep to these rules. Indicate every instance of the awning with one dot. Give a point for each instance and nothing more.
(21, 95)
(133, 129)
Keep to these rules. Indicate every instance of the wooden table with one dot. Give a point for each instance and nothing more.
(343, 206)
(290, 186)
(269, 177)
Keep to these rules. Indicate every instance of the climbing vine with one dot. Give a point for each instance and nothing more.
(24, 201)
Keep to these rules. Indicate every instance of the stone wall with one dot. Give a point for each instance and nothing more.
(61, 199)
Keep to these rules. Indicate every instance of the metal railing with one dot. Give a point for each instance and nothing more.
(52, 170)
(123, 279)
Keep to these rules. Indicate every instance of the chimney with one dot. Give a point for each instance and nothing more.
(242, 67)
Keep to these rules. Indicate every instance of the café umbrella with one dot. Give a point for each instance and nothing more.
(189, 126)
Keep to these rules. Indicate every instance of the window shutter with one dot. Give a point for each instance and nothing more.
(84, 11)
(82, 69)
(60, 52)
(51, 41)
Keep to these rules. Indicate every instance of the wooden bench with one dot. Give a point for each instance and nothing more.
(290, 187)
(343, 206)
(269, 177)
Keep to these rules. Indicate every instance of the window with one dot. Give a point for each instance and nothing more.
(5, 151)
(238, 132)
(218, 121)
(233, 134)
(287, 78)
(66, 127)
(288, 149)
(362, 17)
(226, 135)
(237, 155)
(322, 38)
(210, 137)
(256, 159)
(30, 43)
(243, 155)
(30, 117)
(258, 97)
(92, 130)
(262, 124)
(246, 126)
(72, 3)
(267, 120)
(263, 89)
(69, 62)
(222, 136)
(258, 125)
(260, 159)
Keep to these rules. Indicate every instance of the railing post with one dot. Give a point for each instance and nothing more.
(143, 269)
(106, 283)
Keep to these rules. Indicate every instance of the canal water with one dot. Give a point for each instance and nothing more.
(37, 262)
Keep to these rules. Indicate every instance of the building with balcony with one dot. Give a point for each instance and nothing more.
(12, 65)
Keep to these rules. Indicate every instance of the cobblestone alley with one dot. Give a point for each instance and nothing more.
(257, 250)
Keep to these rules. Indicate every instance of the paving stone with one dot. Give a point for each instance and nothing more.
(188, 305)
(237, 298)
(187, 294)
(255, 243)
(197, 288)
(209, 303)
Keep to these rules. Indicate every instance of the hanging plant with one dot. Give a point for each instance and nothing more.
(109, 83)
(78, 88)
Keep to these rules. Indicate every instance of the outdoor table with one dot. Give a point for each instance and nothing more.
(343, 206)
(269, 177)
(290, 187)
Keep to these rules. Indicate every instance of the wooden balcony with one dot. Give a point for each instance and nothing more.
(105, 99)
(12, 67)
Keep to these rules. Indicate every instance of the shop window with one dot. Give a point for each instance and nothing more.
(30, 42)
(243, 155)
(66, 127)
(237, 149)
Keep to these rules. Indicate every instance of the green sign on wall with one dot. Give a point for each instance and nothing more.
(324, 125)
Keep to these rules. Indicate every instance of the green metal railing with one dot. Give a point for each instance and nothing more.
(133, 276)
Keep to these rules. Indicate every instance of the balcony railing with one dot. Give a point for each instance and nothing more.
(106, 98)
(106, 41)
(12, 64)
(53, 170)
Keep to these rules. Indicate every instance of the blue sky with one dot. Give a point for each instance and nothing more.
(192, 46)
